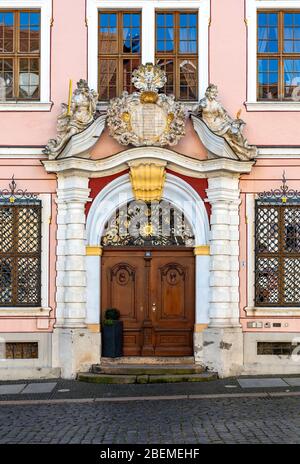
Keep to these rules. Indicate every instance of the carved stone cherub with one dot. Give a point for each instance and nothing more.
(221, 123)
(75, 119)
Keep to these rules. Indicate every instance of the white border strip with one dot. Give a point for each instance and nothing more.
(46, 14)
(148, 32)
(251, 17)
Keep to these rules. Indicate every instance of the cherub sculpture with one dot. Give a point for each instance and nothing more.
(219, 122)
(74, 119)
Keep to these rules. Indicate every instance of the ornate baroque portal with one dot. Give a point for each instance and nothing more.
(215, 256)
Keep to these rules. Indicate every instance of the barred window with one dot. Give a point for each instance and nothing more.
(19, 55)
(277, 254)
(20, 254)
(278, 54)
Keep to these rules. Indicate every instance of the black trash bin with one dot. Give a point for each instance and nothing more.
(112, 334)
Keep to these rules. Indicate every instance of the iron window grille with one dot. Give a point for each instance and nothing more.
(277, 247)
(20, 248)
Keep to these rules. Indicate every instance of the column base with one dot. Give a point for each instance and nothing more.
(75, 350)
(223, 350)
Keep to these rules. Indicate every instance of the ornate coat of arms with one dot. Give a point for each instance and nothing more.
(146, 117)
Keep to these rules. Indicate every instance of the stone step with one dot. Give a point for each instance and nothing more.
(142, 379)
(156, 360)
(144, 369)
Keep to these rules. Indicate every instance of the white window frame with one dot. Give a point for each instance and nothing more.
(251, 20)
(44, 309)
(251, 309)
(148, 8)
(44, 103)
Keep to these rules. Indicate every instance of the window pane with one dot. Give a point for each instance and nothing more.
(292, 33)
(108, 38)
(267, 281)
(291, 77)
(29, 33)
(268, 79)
(6, 32)
(107, 79)
(29, 79)
(131, 33)
(267, 32)
(164, 32)
(20, 254)
(168, 66)
(129, 65)
(188, 80)
(6, 79)
(188, 33)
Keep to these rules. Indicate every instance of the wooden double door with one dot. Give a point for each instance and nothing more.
(154, 290)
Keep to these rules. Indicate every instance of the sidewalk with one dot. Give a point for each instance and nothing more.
(58, 390)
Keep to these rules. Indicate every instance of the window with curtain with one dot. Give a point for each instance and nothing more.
(177, 52)
(278, 55)
(20, 253)
(119, 51)
(277, 254)
(19, 55)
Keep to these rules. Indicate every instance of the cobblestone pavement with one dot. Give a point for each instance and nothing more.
(226, 420)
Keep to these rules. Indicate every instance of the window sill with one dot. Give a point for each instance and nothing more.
(24, 311)
(274, 311)
(273, 106)
(25, 106)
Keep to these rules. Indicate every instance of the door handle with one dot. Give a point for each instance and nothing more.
(154, 307)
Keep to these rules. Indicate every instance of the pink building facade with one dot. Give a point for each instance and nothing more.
(225, 291)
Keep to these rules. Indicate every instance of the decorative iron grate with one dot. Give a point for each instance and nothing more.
(20, 253)
(277, 250)
(148, 224)
(21, 350)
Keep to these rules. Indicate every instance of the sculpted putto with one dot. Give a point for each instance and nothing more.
(219, 122)
(75, 119)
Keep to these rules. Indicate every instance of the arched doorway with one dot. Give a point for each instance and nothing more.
(119, 192)
(148, 274)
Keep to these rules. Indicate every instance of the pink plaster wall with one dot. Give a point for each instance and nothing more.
(68, 61)
(227, 68)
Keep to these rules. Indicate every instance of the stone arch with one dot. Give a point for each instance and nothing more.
(180, 194)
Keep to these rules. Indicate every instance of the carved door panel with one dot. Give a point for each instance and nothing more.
(173, 303)
(155, 296)
(123, 287)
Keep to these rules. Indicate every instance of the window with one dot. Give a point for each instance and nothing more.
(177, 52)
(119, 51)
(278, 55)
(21, 350)
(19, 55)
(20, 254)
(277, 249)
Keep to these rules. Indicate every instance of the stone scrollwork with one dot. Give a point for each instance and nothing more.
(146, 118)
(74, 118)
(221, 123)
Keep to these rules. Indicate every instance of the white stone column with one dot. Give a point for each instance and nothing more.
(73, 343)
(223, 339)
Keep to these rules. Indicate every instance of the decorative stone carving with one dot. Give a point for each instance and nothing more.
(147, 179)
(220, 123)
(74, 118)
(146, 117)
